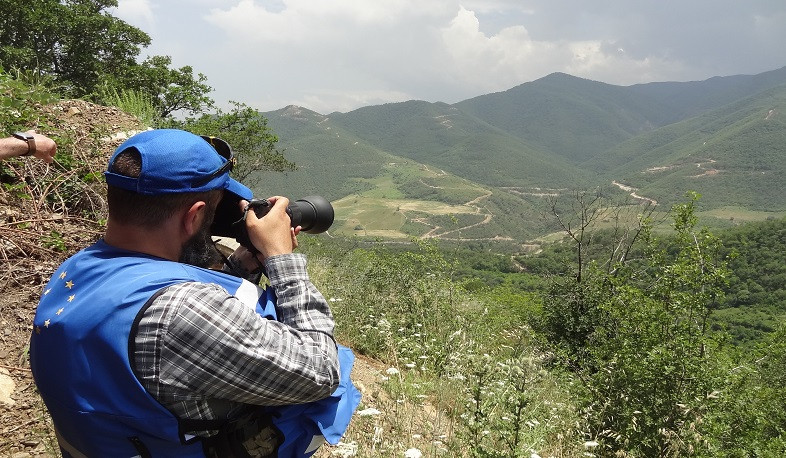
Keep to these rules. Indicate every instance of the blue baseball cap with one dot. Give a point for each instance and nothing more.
(176, 161)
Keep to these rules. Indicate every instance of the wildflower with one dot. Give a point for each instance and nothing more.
(367, 412)
(392, 371)
(413, 453)
(410, 365)
(377, 437)
(417, 436)
(534, 455)
(345, 450)
(590, 444)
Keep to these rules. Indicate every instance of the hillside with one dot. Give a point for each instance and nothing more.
(733, 155)
(722, 137)
(577, 118)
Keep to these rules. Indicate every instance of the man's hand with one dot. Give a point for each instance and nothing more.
(272, 234)
(45, 147)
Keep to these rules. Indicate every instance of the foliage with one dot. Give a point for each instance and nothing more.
(90, 53)
(751, 418)
(246, 131)
(20, 102)
(169, 89)
(638, 337)
(470, 357)
(132, 102)
(76, 41)
(756, 299)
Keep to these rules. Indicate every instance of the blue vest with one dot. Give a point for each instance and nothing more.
(81, 340)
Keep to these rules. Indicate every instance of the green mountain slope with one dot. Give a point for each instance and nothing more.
(687, 99)
(331, 162)
(378, 194)
(571, 117)
(733, 156)
(443, 136)
(577, 118)
(515, 149)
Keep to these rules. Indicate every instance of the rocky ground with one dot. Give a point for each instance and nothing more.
(41, 223)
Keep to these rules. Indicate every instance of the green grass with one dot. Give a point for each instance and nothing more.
(740, 214)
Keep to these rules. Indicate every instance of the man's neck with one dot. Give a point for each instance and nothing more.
(157, 242)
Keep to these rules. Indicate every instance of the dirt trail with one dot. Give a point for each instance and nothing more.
(633, 194)
(475, 204)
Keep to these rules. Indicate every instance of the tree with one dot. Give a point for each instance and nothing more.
(75, 41)
(169, 89)
(89, 53)
(639, 341)
(573, 304)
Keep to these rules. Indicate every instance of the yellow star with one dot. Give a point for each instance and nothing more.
(69, 284)
(62, 275)
(60, 311)
(46, 323)
(71, 297)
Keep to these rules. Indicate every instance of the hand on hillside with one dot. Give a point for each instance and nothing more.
(272, 234)
(45, 147)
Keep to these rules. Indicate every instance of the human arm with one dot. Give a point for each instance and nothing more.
(211, 346)
(45, 147)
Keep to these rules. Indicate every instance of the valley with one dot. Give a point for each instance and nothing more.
(485, 169)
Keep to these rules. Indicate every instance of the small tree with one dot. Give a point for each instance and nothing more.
(74, 41)
(170, 89)
(646, 354)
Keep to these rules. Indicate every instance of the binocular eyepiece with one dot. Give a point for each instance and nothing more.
(314, 214)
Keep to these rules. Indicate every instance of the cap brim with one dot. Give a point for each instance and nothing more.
(239, 190)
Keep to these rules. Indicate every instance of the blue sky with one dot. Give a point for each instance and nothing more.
(338, 55)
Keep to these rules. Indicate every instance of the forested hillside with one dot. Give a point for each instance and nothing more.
(722, 137)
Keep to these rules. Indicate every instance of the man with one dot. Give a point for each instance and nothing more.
(137, 352)
(28, 144)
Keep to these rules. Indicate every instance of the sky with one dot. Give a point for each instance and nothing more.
(339, 55)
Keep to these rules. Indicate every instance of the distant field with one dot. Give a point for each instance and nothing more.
(380, 217)
(383, 210)
(408, 199)
(740, 215)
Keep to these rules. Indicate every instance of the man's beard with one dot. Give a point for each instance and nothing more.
(200, 250)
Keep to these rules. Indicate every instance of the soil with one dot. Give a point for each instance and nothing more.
(40, 207)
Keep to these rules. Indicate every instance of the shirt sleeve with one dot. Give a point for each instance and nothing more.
(213, 346)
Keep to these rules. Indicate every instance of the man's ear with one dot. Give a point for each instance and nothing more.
(193, 218)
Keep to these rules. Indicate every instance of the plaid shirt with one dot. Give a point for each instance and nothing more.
(199, 347)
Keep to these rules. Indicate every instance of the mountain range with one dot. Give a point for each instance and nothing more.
(500, 156)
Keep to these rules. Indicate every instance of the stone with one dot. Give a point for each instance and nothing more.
(7, 386)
